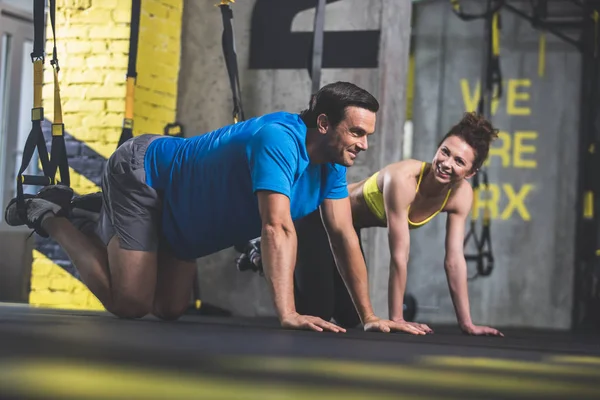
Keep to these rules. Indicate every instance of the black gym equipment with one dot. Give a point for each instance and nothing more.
(134, 32)
(491, 78)
(586, 305)
(57, 161)
(170, 129)
(230, 56)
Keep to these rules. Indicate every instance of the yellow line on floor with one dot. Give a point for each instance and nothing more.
(46, 378)
(415, 376)
(585, 360)
(510, 366)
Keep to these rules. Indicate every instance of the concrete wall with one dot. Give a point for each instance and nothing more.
(273, 43)
(532, 169)
(15, 266)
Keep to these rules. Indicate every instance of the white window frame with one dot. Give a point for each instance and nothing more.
(18, 24)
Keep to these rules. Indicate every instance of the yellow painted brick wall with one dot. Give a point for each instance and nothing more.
(54, 287)
(92, 43)
(93, 46)
(158, 60)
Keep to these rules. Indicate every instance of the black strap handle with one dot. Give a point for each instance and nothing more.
(35, 139)
(134, 30)
(229, 53)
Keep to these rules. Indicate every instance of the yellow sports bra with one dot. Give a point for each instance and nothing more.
(374, 199)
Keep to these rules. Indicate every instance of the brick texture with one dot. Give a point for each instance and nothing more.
(93, 46)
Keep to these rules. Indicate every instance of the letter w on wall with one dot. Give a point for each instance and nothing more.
(273, 45)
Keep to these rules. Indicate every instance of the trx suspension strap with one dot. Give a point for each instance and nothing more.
(134, 30)
(58, 158)
(316, 61)
(228, 44)
(35, 140)
(492, 89)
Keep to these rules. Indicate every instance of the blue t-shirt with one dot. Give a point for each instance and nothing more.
(209, 182)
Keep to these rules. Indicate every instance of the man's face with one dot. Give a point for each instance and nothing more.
(349, 137)
(453, 160)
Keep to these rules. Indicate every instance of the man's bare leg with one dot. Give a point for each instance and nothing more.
(123, 280)
(90, 259)
(174, 286)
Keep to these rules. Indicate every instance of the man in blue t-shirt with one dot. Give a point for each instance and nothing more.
(167, 201)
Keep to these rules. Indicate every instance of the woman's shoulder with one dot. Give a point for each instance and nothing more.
(461, 197)
(409, 165)
(403, 173)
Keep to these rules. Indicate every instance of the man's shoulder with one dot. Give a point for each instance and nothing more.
(284, 119)
(280, 130)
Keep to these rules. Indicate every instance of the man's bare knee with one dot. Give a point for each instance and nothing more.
(169, 312)
(130, 308)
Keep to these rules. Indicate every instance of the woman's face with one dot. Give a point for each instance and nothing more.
(453, 161)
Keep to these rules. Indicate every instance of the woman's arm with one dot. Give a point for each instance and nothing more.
(455, 264)
(398, 193)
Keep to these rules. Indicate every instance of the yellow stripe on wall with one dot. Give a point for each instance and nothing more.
(83, 184)
(159, 53)
(53, 287)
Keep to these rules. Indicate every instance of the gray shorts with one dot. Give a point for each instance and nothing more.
(131, 210)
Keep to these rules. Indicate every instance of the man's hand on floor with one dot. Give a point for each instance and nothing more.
(297, 321)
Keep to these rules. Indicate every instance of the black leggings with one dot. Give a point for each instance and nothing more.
(318, 287)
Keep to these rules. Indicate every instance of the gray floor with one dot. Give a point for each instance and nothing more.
(66, 354)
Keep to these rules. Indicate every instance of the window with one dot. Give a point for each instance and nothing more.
(24, 122)
(16, 96)
(4, 101)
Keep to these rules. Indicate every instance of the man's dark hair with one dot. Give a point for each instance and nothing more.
(477, 132)
(332, 101)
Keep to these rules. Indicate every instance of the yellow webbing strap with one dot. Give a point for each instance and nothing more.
(38, 79)
(58, 120)
(495, 36)
(129, 98)
(588, 205)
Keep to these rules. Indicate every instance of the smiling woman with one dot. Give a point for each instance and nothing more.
(408, 194)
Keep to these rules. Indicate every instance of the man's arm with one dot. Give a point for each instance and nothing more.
(337, 219)
(278, 252)
(345, 246)
(456, 266)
